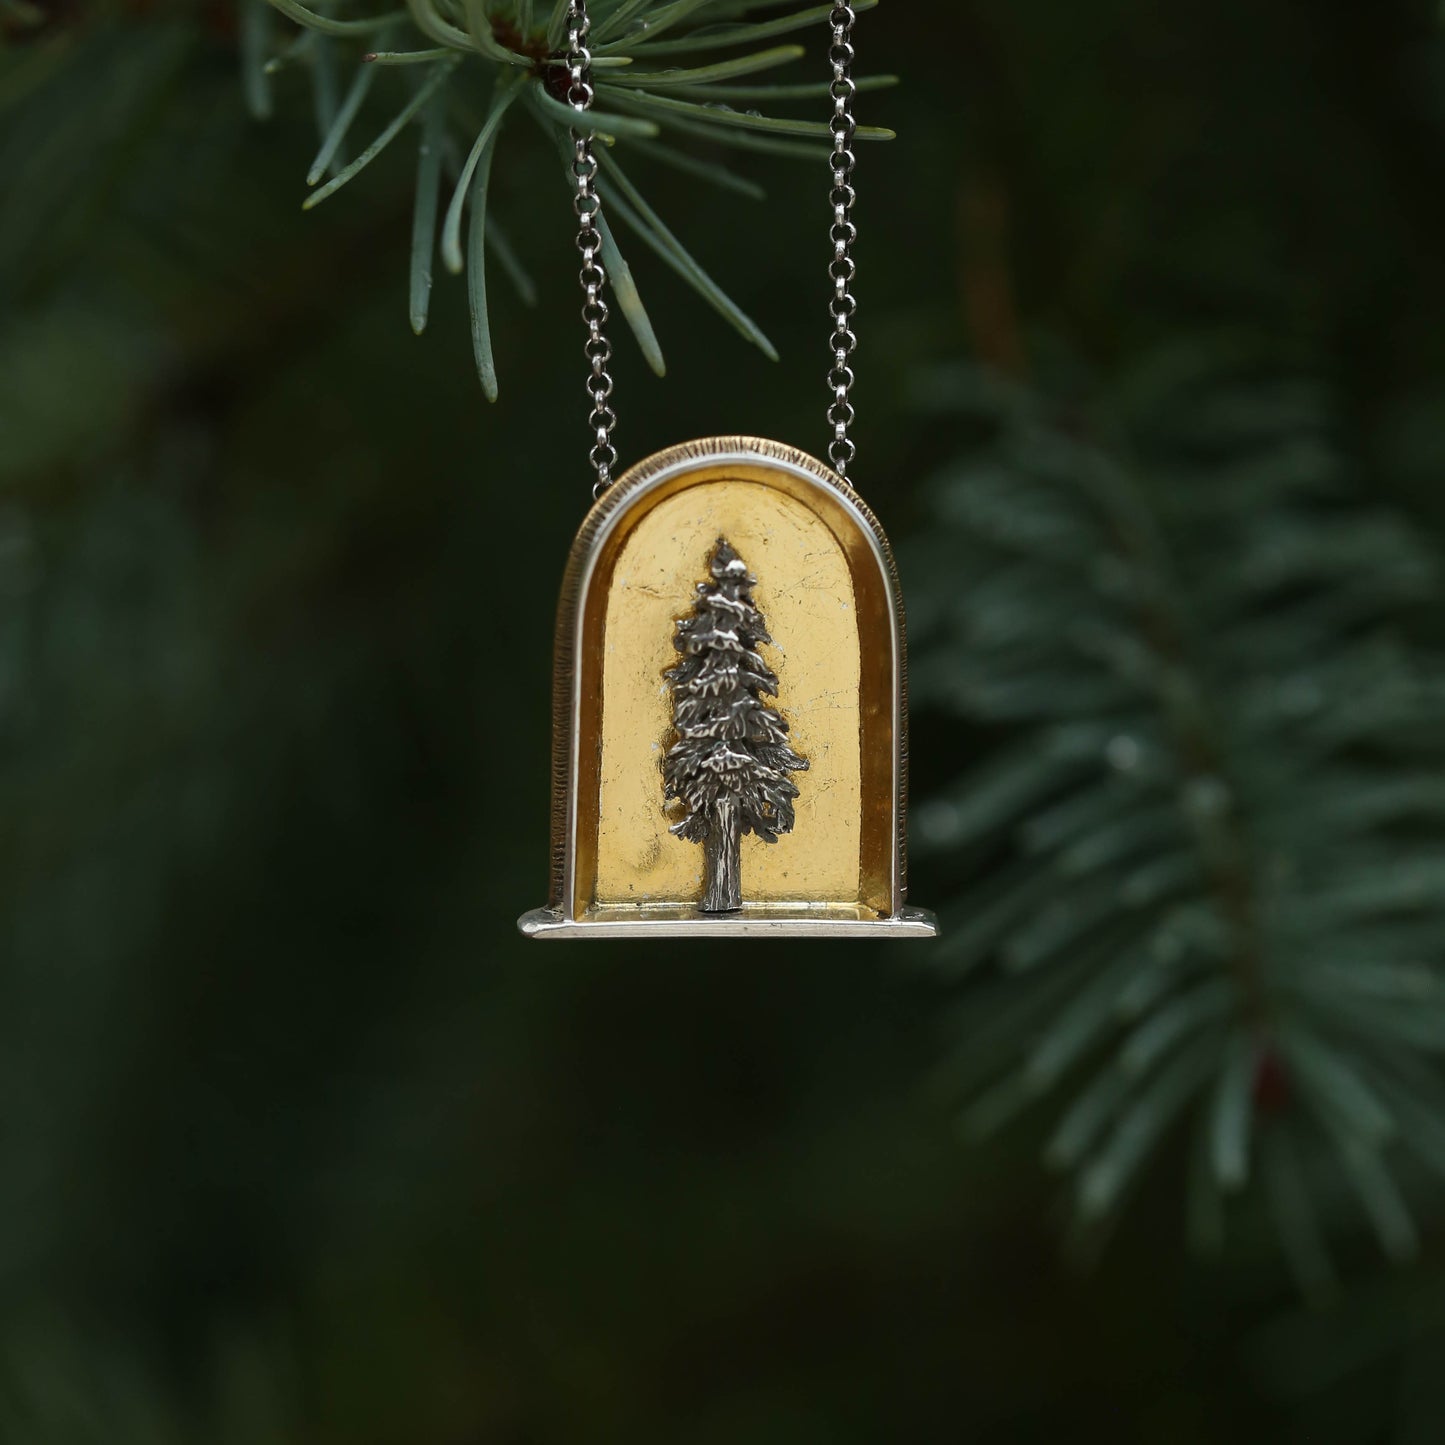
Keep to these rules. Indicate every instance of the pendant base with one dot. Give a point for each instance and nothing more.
(752, 920)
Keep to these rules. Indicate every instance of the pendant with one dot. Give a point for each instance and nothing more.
(729, 718)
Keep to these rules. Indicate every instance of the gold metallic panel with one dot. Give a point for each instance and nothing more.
(805, 592)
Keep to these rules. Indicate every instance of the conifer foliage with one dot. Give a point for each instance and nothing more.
(730, 764)
(1202, 845)
(459, 71)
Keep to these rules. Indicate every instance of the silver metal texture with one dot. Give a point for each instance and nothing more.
(843, 233)
(729, 761)
(587, 204)
(791, 920)
(821, 921)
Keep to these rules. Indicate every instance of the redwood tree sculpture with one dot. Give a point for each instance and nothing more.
(728, 768)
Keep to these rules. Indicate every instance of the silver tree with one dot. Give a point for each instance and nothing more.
(729, 766)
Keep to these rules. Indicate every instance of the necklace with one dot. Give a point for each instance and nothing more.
(729, 717)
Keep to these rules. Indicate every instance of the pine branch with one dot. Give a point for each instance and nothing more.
(434, 49)
(1217, 840)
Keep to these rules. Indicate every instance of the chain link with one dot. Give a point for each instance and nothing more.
(587, 204)
(843, 233)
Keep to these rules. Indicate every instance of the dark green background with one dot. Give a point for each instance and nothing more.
(300, 1141)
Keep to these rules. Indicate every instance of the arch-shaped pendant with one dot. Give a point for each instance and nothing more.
(730, 720)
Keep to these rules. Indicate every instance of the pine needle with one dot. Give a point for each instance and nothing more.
(502, 98)
(499, 242)
(325, 83)
(705, 74)
(328, 25)
(649, 225)
(434, 83)
(713, 39)
(405, 57)
(340, 124)
(477, 277)
(255, 50)
(1231, 1112)
(710, 171)
(726, 117)
(424, 214)
(624, 288)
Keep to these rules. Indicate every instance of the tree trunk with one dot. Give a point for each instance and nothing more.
(722, 855)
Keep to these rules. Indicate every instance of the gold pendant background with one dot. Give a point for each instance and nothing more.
(805, 591)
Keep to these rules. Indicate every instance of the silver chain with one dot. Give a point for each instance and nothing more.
(843, 233)
(587, 204)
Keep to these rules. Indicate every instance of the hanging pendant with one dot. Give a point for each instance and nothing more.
(730, 721)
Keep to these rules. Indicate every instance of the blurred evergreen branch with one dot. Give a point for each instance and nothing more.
(1207, 857)
(663, 68)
